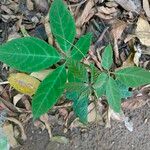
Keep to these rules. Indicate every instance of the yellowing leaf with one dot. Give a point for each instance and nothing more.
(24, 83)
(143, 31)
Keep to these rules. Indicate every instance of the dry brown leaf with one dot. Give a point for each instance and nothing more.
(134, 103)
(41, 74)
(45, 120)
(128, 5)
(30, 5)
(85, 13)
(92, 113)
(117, 30)
(143, 31)
(146, 7)
(24, 83)
(106, 13)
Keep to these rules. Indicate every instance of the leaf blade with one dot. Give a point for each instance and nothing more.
(133, 76)
(113, 95)
(49, 91)
(107, 57)
(62, 24)
(24, 53)
(100, 84)
(81, 47)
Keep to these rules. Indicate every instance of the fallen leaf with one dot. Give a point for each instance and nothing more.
(106, 13)
(17, 98)
(143, 31)
(45, 119)
(146, 7)
(24, 83)
(117, 30)
(41, 74)
(128, 62)
(134, 103)
(30, 5)
(128, 5)
(81, 20)
(92, 114)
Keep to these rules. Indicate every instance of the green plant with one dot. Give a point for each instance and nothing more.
(30, 54)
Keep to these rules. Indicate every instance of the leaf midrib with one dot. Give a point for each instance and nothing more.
(49, 90)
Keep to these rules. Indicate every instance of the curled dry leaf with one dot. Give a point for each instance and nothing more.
(146, 7)
(128, 5)
(85, 13)
(24, 83)
(143, 31)
(45, 120)
(106, 12)
(134, 103)
(117, 30)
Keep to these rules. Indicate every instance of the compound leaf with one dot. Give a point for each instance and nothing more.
(133, 76)
(62, 24)
(28, 54)
(49, 92)
(81, 47)
(113, 95)
(100, 84)
(107, 57)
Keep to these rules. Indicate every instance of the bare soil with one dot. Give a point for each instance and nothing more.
(96, 137)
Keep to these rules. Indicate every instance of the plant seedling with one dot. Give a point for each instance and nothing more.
(30, 54)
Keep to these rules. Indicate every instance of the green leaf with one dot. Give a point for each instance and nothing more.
(113, 95)
(76, 86)
(49, 92)
(100, 84)
(133, 76)
(62, 24)
(80, 99)
(82, 46)
(80, 104)
(95, 72)
(76, 71)
(124, 90)
(80, 107)
(28, 54)
(107, 57)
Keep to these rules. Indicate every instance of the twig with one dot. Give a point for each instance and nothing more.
(5, 82)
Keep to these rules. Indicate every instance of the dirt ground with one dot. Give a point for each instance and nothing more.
(96, 137)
